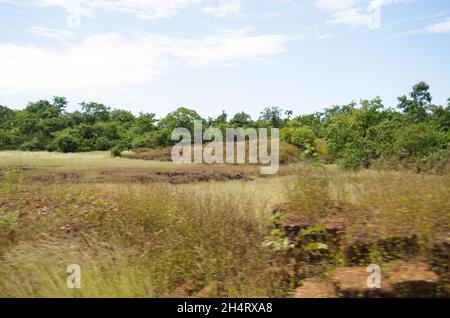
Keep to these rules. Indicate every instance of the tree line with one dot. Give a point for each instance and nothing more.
(415, 132)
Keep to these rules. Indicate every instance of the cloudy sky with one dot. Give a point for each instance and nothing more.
(233, 55)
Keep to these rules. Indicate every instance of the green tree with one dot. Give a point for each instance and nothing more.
(144, 123)
(181, 118)
(417, 141)
(417, 106)
(67, 140)
(440, 117)
(221, 119)
(26, 123)
(5, 140)
(123, 117)
(152, 139)
(35, 142)
(333, 111)
(272, 116)
(44, 109)
(6, 117)
(352, 133)
(302, 137)
(313, 121)
(94, 112)
(241, 119)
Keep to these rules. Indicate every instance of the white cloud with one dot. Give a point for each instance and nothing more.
(441, 27)
(335, 5)
(98, 62)
(226, 48)
(110, 61)
(356, 18)
(355, 13)
(52, 33)
(144, 9)
(436, 28)
(224, 8)
(324, 36)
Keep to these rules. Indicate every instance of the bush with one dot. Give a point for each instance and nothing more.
(5, 140)
(153, 139)
(116, 151)
(36, 143)
(299, 136)
(418, 141)
(353, 158)
(67, 141)
(437, 162)
(103, 143)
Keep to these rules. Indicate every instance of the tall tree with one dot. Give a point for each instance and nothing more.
(241, 119)
(44, 109)
(221, 119)
(94, 112)
(5, 117)
(418, 104)
(272, 116)
(181, 118)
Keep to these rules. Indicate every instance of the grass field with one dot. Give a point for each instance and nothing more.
(73, 161)
(208, 231)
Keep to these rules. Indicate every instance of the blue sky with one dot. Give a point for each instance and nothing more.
(233, 55)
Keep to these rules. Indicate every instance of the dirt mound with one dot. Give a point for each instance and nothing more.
(403, 279)
(141, 176)
(390, 248)
(288, 153)
(315, 289)
(324, 241)
(170, 176)
(294, 221)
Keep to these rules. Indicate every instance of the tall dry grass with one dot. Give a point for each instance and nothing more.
(376, 205)
(163, 240)
(140, 241)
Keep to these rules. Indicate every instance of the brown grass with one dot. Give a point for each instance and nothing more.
(163, 239)
(288, 154)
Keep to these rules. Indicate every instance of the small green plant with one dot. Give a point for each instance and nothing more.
(116, 151)
(278, 241)
(304, 242)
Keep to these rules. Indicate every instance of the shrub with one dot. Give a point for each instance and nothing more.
(153, 139)
(116, 151)
(5, 140)
(437, 162)
(67, 141)
(36, 143)
(299, 136)
(103, 143)
(353, 158)
(419, 140)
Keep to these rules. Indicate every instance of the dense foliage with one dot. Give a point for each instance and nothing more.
(415, 133)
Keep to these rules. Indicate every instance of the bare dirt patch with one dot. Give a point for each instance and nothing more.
(138, 175)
